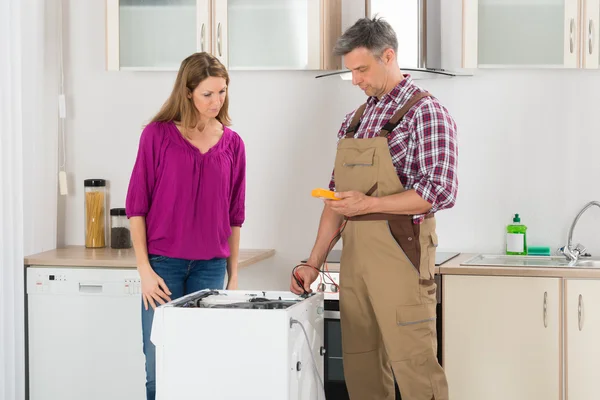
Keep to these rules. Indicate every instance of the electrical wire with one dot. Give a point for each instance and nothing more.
(322, 275)
(312, 356)
(323, 270)
(62, 85)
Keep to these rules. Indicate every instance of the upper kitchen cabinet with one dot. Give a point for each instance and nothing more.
(590, 34)
(242, 34)
(277, 34)
(530, 33)
(155, 34)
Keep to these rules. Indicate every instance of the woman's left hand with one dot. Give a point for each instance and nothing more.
(232, 283)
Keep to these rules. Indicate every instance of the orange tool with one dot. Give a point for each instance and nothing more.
(324, 194)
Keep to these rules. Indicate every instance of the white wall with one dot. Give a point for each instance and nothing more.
(528, 145)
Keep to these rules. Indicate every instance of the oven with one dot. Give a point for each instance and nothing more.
(335, 385)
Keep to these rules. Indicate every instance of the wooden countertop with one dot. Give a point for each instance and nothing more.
(79, 256)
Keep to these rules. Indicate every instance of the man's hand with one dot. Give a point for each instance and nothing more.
(306, 275)
(352, 203)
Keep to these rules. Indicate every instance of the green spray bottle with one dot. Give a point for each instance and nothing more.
(516, 238)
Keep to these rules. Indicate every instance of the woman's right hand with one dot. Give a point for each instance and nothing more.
(154, 288)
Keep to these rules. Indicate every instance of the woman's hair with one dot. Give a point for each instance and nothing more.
(179, 107)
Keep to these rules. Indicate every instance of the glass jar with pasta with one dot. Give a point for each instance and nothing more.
(95, 213)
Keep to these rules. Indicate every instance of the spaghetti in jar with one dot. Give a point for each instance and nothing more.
(95, 213)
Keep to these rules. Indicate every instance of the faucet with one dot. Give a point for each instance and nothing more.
(571, 253)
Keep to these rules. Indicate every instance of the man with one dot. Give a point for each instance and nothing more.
(395, 168)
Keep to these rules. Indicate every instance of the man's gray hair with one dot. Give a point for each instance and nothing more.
(374, 34)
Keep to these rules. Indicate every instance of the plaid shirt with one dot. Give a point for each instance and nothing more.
(423, 146)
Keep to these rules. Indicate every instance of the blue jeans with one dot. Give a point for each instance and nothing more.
(181, 277)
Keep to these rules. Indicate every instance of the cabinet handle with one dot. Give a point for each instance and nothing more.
(202, 38)
(579, 313)
(572, 30)
(545, 309)
(219, 39)
(591, 36)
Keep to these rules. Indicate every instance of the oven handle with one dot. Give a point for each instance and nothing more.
(331, 314)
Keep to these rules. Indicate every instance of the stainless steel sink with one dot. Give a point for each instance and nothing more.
(587, 263)
(493, 260)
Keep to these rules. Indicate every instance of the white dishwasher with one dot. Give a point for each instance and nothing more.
(240, 345)
(84, 334)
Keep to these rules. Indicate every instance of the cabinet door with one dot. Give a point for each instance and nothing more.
(501, 337)
(155, 34)
(590, 34)
(275, 34)
(220, 11)
(524, 33)
(582, 316)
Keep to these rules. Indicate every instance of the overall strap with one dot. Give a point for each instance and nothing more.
(397, 117)
(355, 121)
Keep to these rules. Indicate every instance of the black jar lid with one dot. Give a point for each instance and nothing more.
(118, 211)
(94, 182)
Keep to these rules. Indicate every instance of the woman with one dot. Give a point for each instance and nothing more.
(186, 194)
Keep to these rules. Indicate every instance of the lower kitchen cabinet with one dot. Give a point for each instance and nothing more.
(502, 337)
(582, 330)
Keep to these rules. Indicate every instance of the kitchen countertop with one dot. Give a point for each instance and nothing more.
(454, 266)
(333, 260)
(79, 256)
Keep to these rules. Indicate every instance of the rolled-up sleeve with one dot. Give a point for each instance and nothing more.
(436, 156)
(237, 209)
(143, 176)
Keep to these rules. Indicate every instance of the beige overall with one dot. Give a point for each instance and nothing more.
(387, 288)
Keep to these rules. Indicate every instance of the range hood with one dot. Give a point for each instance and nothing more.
(418, 27)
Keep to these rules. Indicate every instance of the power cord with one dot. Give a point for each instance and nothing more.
(312, 356)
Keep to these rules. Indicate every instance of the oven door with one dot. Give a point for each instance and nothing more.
(335, 384)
